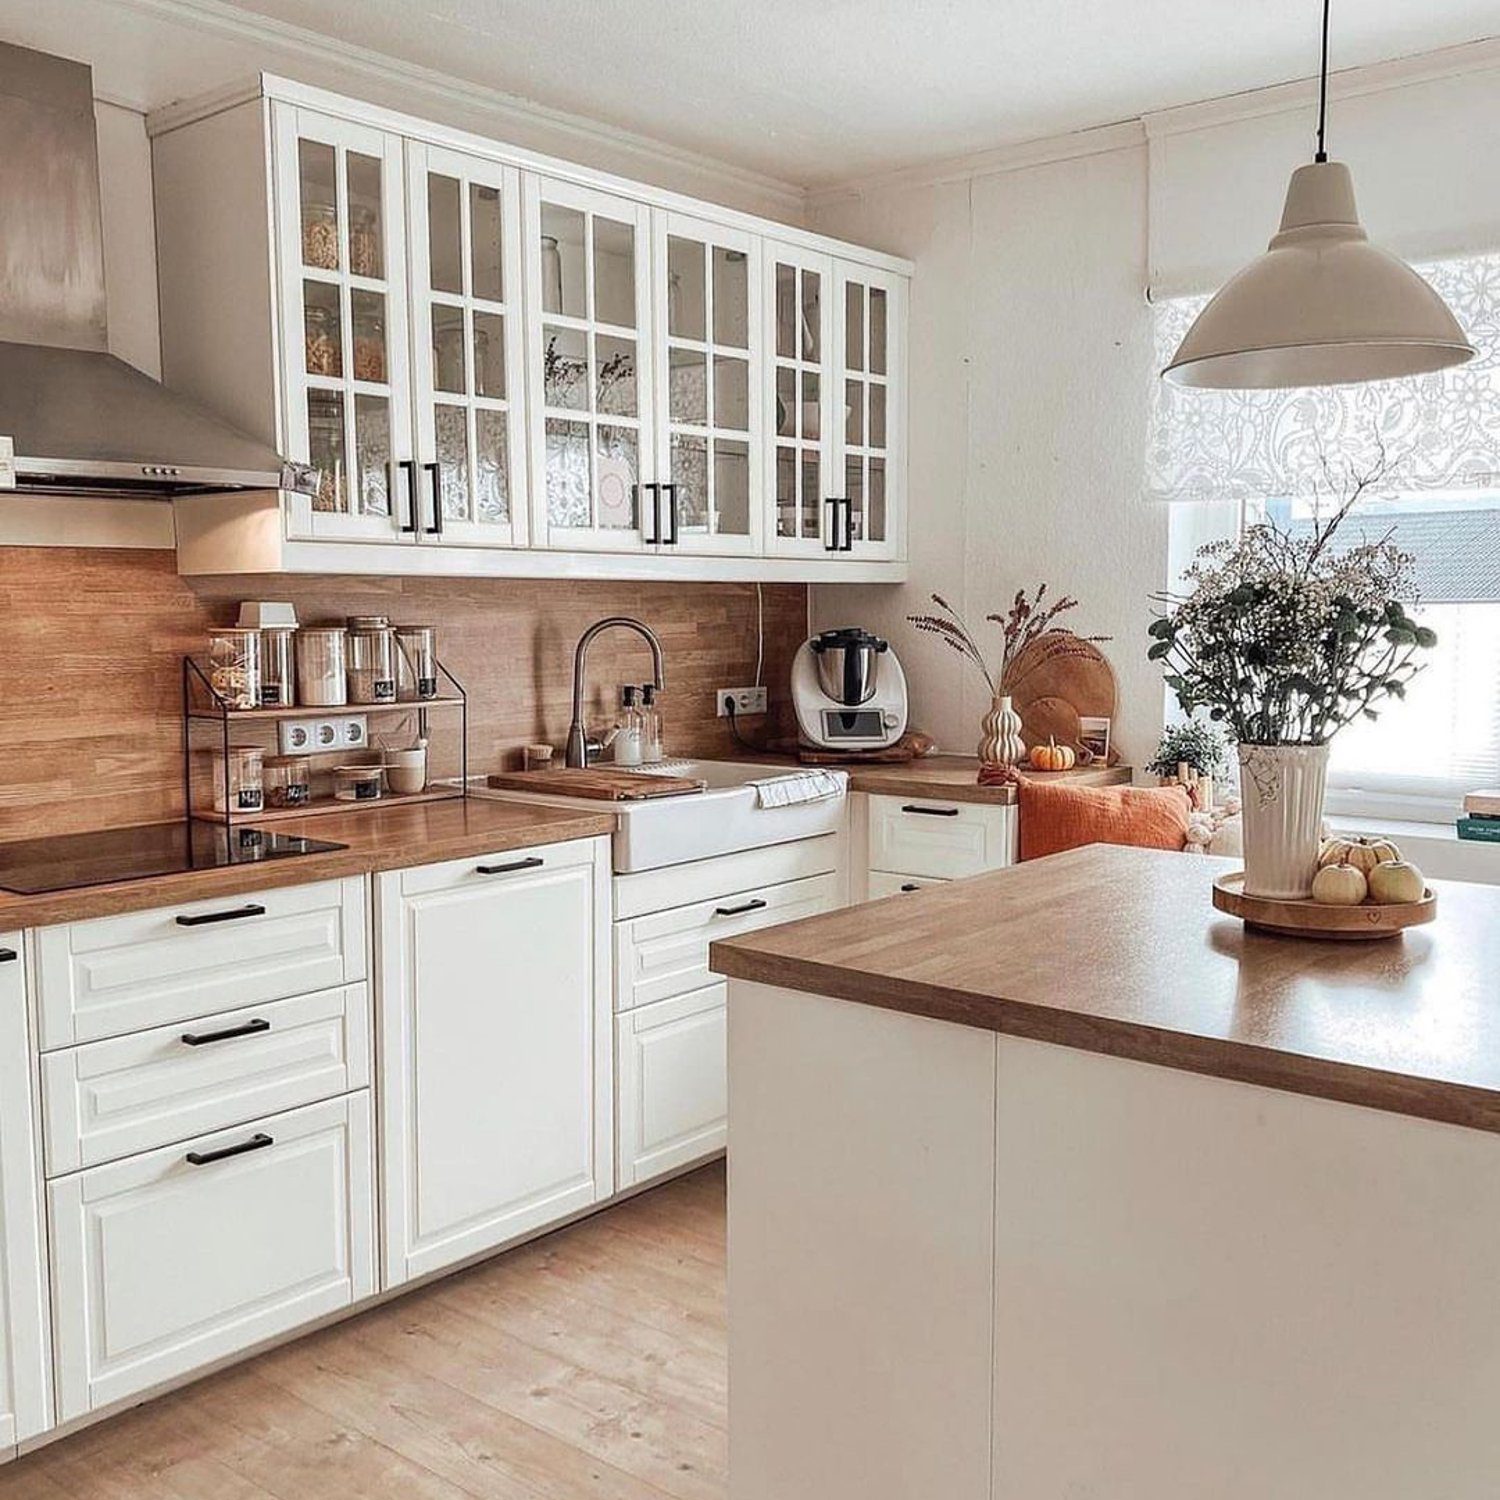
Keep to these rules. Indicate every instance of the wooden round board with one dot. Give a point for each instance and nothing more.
(1312, 919)
(1039, 680)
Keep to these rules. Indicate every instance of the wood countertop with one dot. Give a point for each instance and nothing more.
(377, 838)
(954, 778)
(1120, 951)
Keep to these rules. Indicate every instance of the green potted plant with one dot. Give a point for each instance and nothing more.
(1195, 753)
(1283, 637)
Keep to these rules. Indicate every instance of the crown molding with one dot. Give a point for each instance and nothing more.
(573, 131)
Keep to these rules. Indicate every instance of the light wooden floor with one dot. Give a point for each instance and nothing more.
(589, 1365)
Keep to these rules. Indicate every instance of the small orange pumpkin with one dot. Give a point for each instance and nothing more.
(1053, 757)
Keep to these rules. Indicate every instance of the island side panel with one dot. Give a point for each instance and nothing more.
(861, 1253)
(1211, 1288)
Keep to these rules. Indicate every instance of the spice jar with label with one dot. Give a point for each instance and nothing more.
(372, 659)
(278, 687)
(288, 781)
(240, 778)
(234, 667)
(357, 783)
(416, 663)
(322, 680)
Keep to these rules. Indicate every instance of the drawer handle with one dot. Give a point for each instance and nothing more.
(931, 812)
(257, 1142)
(203, 1038)
(251, 909)
(535, 862)
(7, 955)
(904, 889)
(739, 911)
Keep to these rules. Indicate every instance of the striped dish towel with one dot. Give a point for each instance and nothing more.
(799, 786)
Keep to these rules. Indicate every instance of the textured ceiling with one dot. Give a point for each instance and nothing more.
(818, 91)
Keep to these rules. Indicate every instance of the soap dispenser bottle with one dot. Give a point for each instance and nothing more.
(629, 732)
(651, 748)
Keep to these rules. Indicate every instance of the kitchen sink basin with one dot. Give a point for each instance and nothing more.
(698, 825)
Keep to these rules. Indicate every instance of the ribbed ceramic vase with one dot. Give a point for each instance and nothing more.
(1281, 789)
(1001, 743)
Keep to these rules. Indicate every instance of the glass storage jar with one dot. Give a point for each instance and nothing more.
(416, 663)
(278, 687)
(288, 781)
(357, 783)
(240, 779)
(372, 659)
(234, 667)
(322, 681)
(320, 236)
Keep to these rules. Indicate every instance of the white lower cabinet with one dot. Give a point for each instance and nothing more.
(168, 1261)
(25, 1387)
(670, 1084)
(494, 1025)
(883, 883)
(904, 843)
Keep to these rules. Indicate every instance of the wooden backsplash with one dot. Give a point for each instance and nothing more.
(91, 641)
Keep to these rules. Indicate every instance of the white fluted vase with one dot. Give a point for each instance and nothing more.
(1281, 789)
(1000, 742)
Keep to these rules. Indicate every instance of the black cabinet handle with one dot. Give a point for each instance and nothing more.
(7, 955)
(256, 1142)
(534, 862)
(832, 543)
(655, 491)
(909, 887)
(669, 493)
(252, 909)
(739, 911)
(203, 1038)
(435, 526)
(848, 544)
(932, 812)
(409, 467)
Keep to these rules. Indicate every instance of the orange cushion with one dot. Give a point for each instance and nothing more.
(1056, 817)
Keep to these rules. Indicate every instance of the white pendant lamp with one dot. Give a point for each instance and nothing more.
(1322, 306)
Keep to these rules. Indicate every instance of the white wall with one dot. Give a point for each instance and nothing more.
(1031, 368)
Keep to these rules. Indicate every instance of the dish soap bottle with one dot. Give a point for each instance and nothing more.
(651, 751)
(629, 735)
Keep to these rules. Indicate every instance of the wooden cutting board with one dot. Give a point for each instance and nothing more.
(1044, 686)
(596, 783)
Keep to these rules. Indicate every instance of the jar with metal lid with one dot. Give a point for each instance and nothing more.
(234, 666)
(322, 679)
(416, 663)
(278, 688)
(240, 778)
(372, 659)
(288, 781)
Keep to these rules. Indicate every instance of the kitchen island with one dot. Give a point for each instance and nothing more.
(1058, 1183)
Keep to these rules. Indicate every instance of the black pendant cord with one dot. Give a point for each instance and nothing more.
(1323, 88)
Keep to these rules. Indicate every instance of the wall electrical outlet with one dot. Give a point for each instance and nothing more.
(750, 700)
(323, 736)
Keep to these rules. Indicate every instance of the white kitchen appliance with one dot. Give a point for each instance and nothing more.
(849, 691)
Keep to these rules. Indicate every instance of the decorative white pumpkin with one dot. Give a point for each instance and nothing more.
(1339, 885)
(1396, 883)
(1361, 852)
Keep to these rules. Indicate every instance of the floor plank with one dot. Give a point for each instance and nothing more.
(589, 1365)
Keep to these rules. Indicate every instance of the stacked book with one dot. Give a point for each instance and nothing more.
(1481, 817)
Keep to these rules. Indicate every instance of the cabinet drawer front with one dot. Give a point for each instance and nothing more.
(883, 883)
(927, 836)
(671, 1084)
(115, 975)
(666, 954)
(111, 1099)
(162, 1266)
(508, 866)
(648, 891)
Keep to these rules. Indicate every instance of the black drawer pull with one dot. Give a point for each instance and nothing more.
(203, 1038)
(534, 862)
(7, 955)
(931, 812)
(252, 909)
(256, 1142)
(910, 887)
(739, 911)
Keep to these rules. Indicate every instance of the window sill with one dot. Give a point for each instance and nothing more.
(1435, 847)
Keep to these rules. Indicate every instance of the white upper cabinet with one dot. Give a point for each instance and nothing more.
(497, 363)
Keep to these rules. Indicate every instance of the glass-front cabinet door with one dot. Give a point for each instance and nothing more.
(341, 248)
(467, 334)
(870, 330)
(588, 267)
(797, 399)
(707, 351)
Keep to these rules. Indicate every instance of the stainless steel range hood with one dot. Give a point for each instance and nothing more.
(74, 418)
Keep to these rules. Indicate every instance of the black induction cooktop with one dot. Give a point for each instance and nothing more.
(32, 867)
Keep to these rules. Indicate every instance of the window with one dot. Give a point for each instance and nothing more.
(1265, 451)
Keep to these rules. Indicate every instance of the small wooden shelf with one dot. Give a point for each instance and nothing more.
(319, 711)
(320, 805)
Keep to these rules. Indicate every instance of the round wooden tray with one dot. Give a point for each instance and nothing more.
(1311, 919)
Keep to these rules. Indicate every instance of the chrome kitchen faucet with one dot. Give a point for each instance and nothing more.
(581, 749)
